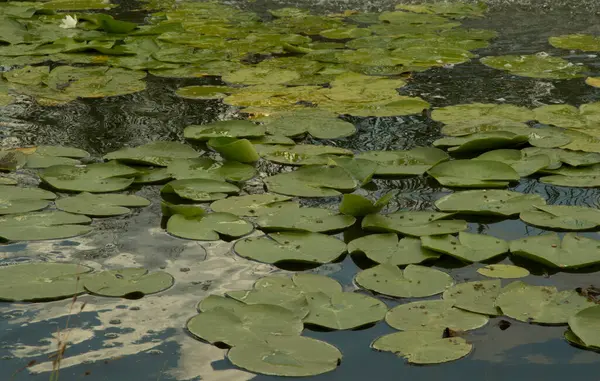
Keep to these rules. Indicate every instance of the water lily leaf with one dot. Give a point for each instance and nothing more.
(261, 76)
(479, 297)
(572, 158)
(435, 315)
(240, 150)
(94, 178)
(47, 156)
(359, 206)
(524, 165)
(204, 92)
(563, 217)
(301, 154)
(273, 139)
(481, 113)
(244, 324)
(415, 161)
(473, 174)
(539, 65)
(494, 202)
(129, 283)
(316, 283)
(108, 23)
(580, 171)
(318, 124)
(386, 248)
(399, 17)
(413, 223)
(481, 141)
(155, 153)
(289, 12)
(208, 227)
(574, 340)
(455, 9)
(212, 302)
(43, 225)
(343, 310)
(593, 81)
(11, 160)
(430, 56)
(312, 181)
(295, 356)
(413, 282)
(573, 252)
(228, 128)
(205, 168)
(253, 205)
(586, 326)
(305, 247)
(540, 304)
(22, 200)
(503, 271)
(304, 219)
(569, 181)
(7, 181)
(345, 33)
(584, 42)
(41, 282)
(100, 205)
(403, 105)
(423, 347)
(200, 189)
(468, 247)
(188, 210)
(77, 5)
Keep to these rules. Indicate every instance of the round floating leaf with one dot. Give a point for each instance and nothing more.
(205, 168)
(305, 219)
(524, 165)
(423, 347)
(60, 151)
(572, 158)
(41, 282)
(481, 141)
(573, 252)
(261, 76)
(312, 181)
(415, 161)
(540, 304)
(155, 153)
(246, 324)
(489, 202)
(305, 247)
(468, 247)
(481, 113)
(301, 154)
(412, 282)
(188, 210)
(575, 341)
(36, 161)
(208, 227)
(435, 315)
(100, 205)
(562, 217)
(585, 42)
(593, 81)
(345, 33)
(316, 283)
(200, 189)
(454, 10)
(94, 178)
(586, 326)
(204, 92)
(413, 223)
(253, 205)
(228, 128)
(539, 65)
(43, 225)
(22, 200)
(234, 149)
(572, 181)
(359, 206)
(212, 302)
(343, 310)
(474, 174)
(130, 283)
(320, 125)
(503, 271)
(479, 297)
(295, 356)
(386, 248)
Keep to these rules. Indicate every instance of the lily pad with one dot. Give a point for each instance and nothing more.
(345, 33)
(586, 326)
(468, 247)
(316, 220)
(253, 205)
(572, 158)
(313, 181)
(481, 113)
(304, 247)
(43, 225)
(492, 202)
(481, 141)
(240, 150)
(386, 248)
(573, 252)
(212, 302)
(474, 174)
(316, 283)
(155, 153)
(47, 156)
(524, 165)
(209, 227)
(129, 283)
(423, 347)
(41, 282)
(205, 168)
(562, 217)
(540, 304)
(23, 200)
(359, 206)
(204, 92)
(261, 76)
(94, 178)
(503, 271)
(584, 42)
(415, 161)
(539, 65)
(318, 124)
(100, 205)
(301, 154)
(478, 297)
(200, 189)
(343, 310)
(412, 282)
(228, 128)
(572, 181)
(458, 9)
(435, 315)
(413, 223)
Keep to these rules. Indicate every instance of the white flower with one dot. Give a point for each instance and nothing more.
(69, 22)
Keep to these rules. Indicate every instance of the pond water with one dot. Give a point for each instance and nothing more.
(145, 339)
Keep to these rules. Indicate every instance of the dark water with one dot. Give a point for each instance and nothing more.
(521, 352)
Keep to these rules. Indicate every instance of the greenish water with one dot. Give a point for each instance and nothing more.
(521, 352)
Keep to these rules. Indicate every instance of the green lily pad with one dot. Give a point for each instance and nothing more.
(129, 283)
(481, 113)
(569, 181)
(359, 206)
(503, 271)
(23, 200)
(423, 347)
(41, 282)
(204, 92)
(12, 160)
(205, 168)
(474, 174)
(435, 315)
(386, 248)
(212, 302)
(413, 282)
(208, 227)
(478, 297)
(458, 9)
(155, 153)
(468, 247)
(294, 356)
(584, 42)
(43, 225)
(100, 205)
(593, 81)
(200, 189)
(301, 154)
(413, 223)
(572, 158)
(188, 210)
(586, 326)
(94, 178)
(316, 283)
(539, 65)
(316, 220)
(344, 310)
(345, 33)
(228, 128)
(318, 124)
(481, 141)
(77, 5)
(573, 252)
(7, 181)
(562, 217)
(61, 151)
(240, 150)
(261, 76)
(312, 181)
(253, 205)
(304, 247)
(524, 165)
(540, 304)
(415, 161)
(244, 324)
(494, 202)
